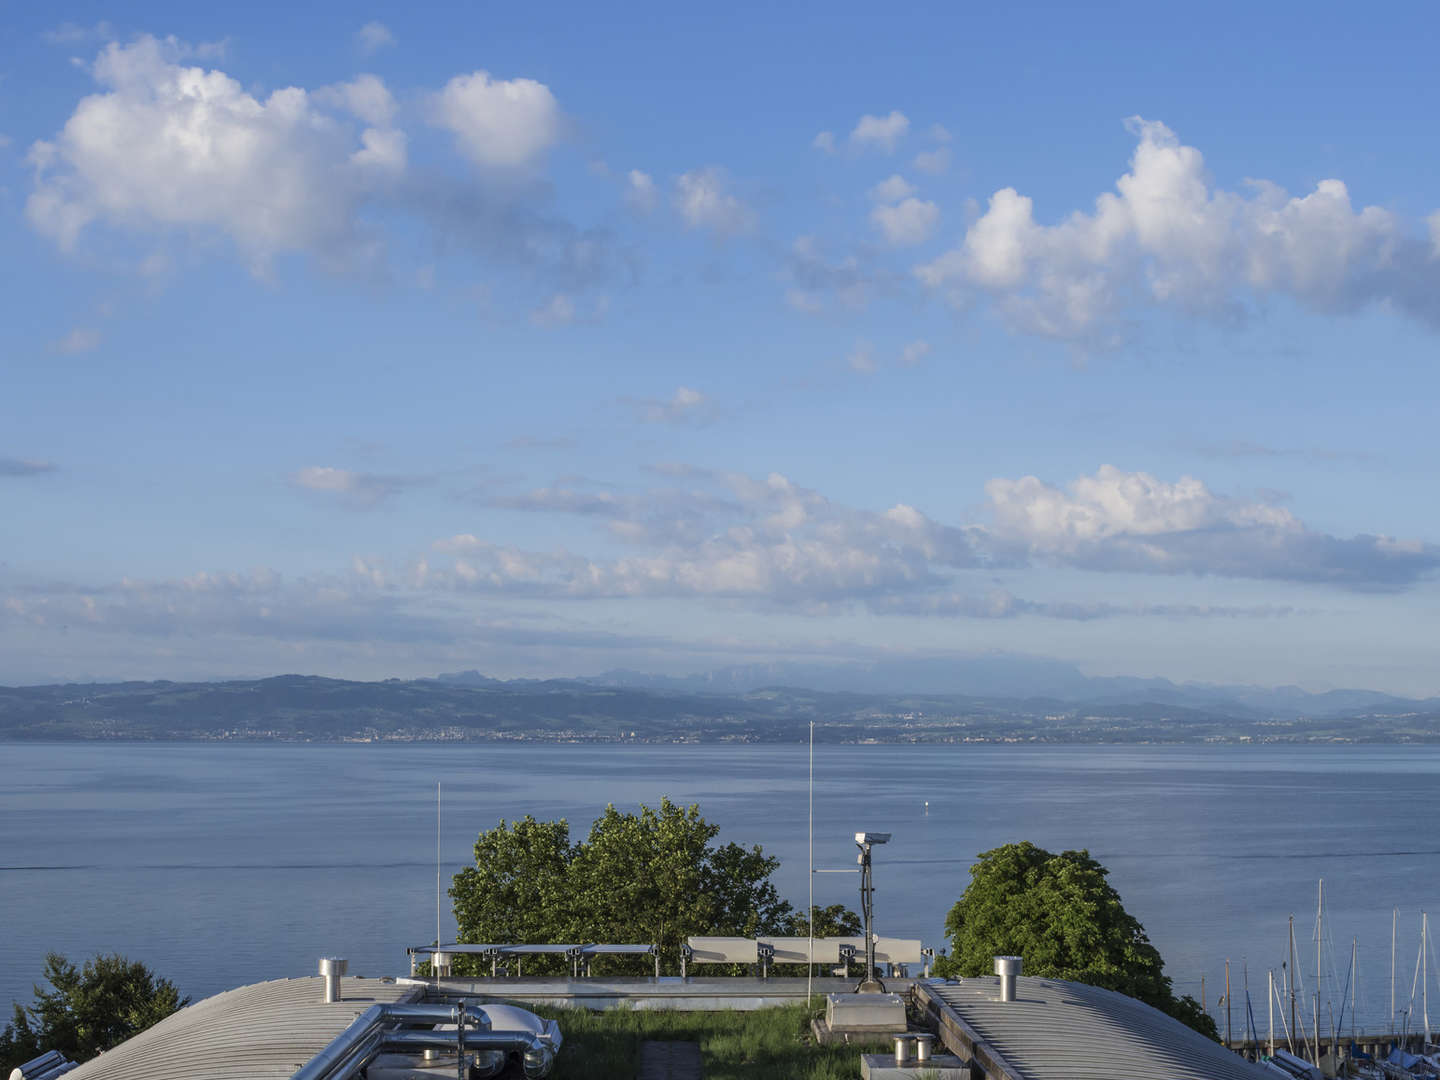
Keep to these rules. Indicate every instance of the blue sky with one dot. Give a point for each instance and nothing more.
(546, 340)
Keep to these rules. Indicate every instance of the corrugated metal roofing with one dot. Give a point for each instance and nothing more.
(1058, 1030)
(260, 1032)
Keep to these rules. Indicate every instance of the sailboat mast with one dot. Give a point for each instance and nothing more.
(1270, 1003)
(1394, 921)
(1292, 972)
(1227, 1002)
(1319, 937)
(1354, 988)
(1425, 975)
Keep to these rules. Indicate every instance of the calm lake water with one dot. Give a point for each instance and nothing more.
(225, 864)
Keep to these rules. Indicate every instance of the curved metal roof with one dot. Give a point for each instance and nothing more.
(1057, 1030)
(265, 1031)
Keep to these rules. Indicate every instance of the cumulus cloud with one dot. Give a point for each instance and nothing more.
(907, 223)
(892, 190)
(861, 358)
(559, 310)
(705, 202)
(640, 191)
(373, 36)
(686, 406)
(81, 339)
(366, 96)
(935, 162)
(171, 146)
(774, 542)
(913, 353)
(881, 133)
(10, 466)
(1166, 236)
(359, 490)
(498, 123)
(1135, 522)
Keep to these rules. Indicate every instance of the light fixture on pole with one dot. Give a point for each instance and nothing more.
(864, 841)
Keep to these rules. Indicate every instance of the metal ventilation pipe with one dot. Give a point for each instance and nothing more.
(440, 964)
(1008, 968)
(332, 969)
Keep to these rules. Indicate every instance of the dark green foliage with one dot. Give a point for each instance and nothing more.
(1066, 920)
(655, 877)
(834, 921)
(88, 1010)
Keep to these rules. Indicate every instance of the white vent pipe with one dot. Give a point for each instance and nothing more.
(332, 969)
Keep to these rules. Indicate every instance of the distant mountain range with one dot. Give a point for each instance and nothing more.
(993, 698)
(999, 675)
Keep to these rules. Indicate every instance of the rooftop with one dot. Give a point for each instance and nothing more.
(265, 1031)
(1057, 1030)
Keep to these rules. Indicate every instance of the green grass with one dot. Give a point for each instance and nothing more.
(766, 1044)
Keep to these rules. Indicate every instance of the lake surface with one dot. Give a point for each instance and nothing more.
(224, 864)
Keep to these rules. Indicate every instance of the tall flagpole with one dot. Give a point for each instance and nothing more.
(810, 967)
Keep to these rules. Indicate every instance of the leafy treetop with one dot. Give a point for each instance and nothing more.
(87, 1010)
(652, 877)
(1062, 915)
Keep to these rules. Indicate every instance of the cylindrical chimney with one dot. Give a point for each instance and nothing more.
(1008, 968)
(440, 963)
(332, 969)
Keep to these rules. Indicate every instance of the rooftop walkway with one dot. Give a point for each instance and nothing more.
(668, 992)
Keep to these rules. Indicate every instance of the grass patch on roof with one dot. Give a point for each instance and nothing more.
(764, 1044)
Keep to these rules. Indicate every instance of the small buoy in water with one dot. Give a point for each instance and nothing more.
(927, 806)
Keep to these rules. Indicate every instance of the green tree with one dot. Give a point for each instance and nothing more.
(835, 920)
(656, 876)
(1062, 915)
(87, 1010)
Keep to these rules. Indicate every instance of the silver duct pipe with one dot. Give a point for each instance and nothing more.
(48, 1066)
(1008, 968)
(371, 1032)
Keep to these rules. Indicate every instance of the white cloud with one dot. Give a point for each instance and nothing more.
(862, 358)
(1166, 236)
(934, 162)
(360, 490)
(559, 310)
(165, 145)
(892, 190)
(907, 224)
(1133, 521)
(640, 191)
(704, 202)
(824, 142)
(686, 406)
(499, 124)
(373, 36)
(365, 96)
(81, 339)
(913, 353)
(881, 133)
(940, 134)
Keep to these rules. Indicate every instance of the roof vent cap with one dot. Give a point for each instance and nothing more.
(1008, 968)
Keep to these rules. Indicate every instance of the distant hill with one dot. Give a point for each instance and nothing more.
(473, 707)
